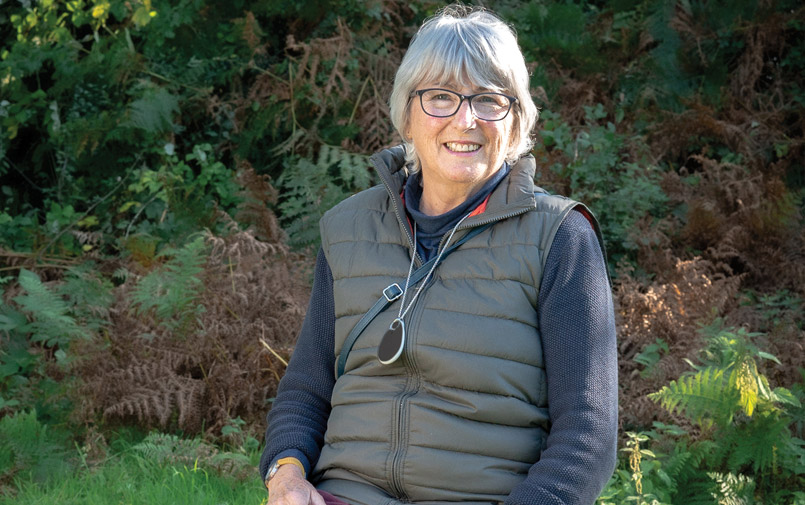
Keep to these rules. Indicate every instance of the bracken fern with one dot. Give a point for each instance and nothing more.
(26, 445)
(172, 292)
(704, 397)
(50, 319)
(733, 401)
(310, 188)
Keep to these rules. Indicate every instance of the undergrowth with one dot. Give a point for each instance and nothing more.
(163, 166)
(40, 467)
(739, 440)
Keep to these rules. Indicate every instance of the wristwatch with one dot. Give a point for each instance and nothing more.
(282, 461)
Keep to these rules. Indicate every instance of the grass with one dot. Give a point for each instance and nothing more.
(131, 480)
(161, 469)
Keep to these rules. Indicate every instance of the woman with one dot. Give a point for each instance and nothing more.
(487, 375)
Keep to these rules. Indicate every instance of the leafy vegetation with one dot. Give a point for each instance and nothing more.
(746, 451)
(157, 469)
(163, 166)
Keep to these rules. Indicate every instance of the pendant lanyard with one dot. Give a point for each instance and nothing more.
(393, 341)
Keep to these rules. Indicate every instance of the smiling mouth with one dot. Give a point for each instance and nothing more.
(462, 148)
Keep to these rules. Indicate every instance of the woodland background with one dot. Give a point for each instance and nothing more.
(163, 165)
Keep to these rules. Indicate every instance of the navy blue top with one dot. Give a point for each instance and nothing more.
(431, 229)
(577, 325)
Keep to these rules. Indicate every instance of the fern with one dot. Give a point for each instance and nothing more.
(172, 293)
(310, 189)
(732, 489)
(51, 322)
(153, 112)
(27, 446)
(89, 296)
(704, 397)
(752, 423)
(166, 449)
(758, 444)
(685, 462)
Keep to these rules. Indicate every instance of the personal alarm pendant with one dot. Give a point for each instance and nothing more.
(393, 341)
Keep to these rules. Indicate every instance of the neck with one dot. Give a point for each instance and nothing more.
(437, 200)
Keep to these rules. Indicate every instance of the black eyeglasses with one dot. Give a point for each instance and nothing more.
(440, 102)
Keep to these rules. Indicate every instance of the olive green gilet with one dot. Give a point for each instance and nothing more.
(463, 414)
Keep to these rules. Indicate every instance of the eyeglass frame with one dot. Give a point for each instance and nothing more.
(512, 100)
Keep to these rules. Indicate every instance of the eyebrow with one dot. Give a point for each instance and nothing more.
(452, 86)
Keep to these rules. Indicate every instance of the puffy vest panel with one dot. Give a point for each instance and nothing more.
(462, 415)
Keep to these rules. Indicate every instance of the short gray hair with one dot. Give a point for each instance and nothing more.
(470, 47)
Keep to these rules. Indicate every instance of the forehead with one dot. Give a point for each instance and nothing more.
(464, 89)
(461, 82)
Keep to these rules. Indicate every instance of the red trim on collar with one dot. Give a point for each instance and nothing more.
(581, 210)
(480, 209)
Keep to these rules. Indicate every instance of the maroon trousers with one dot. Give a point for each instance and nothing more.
(331, 500)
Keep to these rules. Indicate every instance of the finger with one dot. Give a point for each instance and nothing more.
(317, 499)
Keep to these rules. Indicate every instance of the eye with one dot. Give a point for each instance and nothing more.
(439, 94)
(491, 99)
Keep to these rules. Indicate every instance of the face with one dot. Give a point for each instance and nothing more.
(459, 152)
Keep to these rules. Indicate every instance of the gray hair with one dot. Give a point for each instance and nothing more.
(469, 47)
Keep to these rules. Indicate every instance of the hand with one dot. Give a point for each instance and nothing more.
(289, 487)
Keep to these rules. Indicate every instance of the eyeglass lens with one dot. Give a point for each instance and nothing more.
(443, 103)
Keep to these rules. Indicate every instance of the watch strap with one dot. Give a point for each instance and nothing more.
(284, 461)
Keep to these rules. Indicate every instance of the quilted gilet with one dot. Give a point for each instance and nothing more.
(463, 414)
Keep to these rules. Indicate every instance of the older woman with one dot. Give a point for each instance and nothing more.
(460, 344)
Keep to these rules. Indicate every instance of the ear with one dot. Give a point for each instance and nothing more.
(514, 133)
(406, 133)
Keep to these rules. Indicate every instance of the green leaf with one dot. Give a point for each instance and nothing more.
(153, 112)
(50, 322)
(229, 429)
(7, 324)
(705, 397)
(7, 403)
(785, 396)
(766, 355)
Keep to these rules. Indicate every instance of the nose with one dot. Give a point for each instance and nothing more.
(464, 116)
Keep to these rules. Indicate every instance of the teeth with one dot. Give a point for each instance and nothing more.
(453, 146)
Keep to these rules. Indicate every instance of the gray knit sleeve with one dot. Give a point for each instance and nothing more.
(577, 325)
(298, 417)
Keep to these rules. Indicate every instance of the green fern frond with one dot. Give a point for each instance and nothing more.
(732, 489)
(758, 443)
(351, 167)
(163, 448)
(27, 446)
(704, 397)
(50, 319)
(153, 112)
(685, 467)
(172, 293)
(677, 462)
(166, 448)
(89, 295)
(311, 188)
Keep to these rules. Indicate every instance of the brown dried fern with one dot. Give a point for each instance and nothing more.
(252, 290)
(670, 308)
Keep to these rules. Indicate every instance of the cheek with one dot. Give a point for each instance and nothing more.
(426, 131)
(501, 136)
(506, 137)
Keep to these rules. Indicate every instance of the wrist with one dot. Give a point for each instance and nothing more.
(287, 467)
